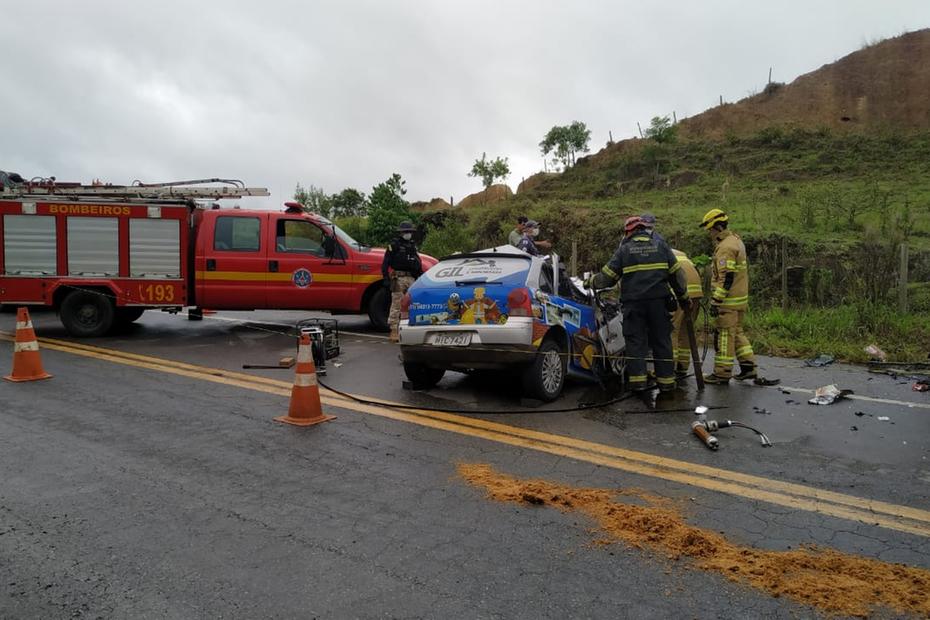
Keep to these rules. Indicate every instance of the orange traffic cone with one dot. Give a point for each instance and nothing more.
(305, 409)
(27, 363)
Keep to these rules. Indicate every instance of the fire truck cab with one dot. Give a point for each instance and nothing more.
(102, 255)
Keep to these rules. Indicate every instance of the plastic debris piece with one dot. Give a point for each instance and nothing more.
(761, 410)
(883, 418)
(766, 382)
(821, 360)
(854, 428)
(827, 395)
(859, 414)
(921, 386)
(875, 353)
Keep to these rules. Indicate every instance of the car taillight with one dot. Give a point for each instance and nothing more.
(405, 306)
(518, 302)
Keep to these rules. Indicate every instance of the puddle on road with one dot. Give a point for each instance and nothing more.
(829, 580)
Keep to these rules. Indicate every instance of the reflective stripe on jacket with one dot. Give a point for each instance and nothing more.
(692, 277)
(645, 267)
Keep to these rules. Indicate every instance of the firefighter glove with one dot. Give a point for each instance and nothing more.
(684, 303)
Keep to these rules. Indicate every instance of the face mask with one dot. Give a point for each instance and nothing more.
(407, 236)
(534, 232)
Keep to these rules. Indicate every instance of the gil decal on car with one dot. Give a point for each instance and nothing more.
(487, 269)
(302, 278)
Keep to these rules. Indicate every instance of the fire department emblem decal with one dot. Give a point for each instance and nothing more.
(302, 278)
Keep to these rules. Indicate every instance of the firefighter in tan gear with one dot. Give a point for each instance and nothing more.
(680, 343)
(729, 300)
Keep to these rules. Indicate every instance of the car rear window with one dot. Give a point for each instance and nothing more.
(478, 269)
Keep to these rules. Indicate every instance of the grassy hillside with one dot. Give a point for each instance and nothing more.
(815, 186)
(840, 203)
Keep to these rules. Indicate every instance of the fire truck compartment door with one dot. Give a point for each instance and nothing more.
(29, 245)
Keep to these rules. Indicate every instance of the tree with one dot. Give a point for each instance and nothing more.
(387, 209)
(313, 199)
(565, 141)
(662, 130)
(490, 171)
(349, 203)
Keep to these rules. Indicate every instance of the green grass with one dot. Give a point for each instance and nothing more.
(812, 185)
(843, 332)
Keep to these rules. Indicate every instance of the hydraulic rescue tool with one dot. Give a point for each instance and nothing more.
(703, 429)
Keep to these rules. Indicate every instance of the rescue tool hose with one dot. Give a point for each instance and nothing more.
(579, 407)
(381, 403)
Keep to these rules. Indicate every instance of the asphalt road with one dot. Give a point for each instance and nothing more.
(135, 486)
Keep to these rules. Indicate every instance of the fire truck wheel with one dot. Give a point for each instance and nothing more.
(86, 314)
(125, 316)
(378, 309)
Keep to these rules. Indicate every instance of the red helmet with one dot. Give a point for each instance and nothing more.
(632, 223)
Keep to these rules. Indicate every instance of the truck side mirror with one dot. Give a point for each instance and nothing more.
(329, 246)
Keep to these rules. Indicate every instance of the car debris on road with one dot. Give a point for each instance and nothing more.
(828, 394)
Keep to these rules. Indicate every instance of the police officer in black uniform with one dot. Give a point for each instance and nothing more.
(401, 267)
(649, 274)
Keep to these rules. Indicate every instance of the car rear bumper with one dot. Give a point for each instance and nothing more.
(481, 356)
(492, 346)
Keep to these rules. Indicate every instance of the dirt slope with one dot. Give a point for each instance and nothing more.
(884, 86)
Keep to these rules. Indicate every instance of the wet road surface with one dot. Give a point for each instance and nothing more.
(137, 486)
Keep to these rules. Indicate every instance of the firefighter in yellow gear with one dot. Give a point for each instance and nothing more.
(729, 299)
(680, 343)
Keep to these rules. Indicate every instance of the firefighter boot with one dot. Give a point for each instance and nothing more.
(746, 371)
(395, 337)
(713, 379)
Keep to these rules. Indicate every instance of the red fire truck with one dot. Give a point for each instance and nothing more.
(101, 255)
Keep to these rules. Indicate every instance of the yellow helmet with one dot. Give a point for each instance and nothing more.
(712, 217)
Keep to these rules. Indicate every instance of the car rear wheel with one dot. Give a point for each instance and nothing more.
(545, 377)
(87, 314)
(422, 376)
(379, 306)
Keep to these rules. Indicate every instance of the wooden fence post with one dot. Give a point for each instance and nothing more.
(902, 280)
(784, 274)
(574, 262)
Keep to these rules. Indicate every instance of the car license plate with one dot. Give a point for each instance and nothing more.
(452, 339)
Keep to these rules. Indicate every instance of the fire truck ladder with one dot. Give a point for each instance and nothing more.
(196, 189)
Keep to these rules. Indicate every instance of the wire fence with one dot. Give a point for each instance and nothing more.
(788, 273)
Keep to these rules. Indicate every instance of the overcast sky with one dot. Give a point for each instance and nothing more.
(343, 93)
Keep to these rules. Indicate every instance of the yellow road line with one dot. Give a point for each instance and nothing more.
(891, 516)
(631, 455)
